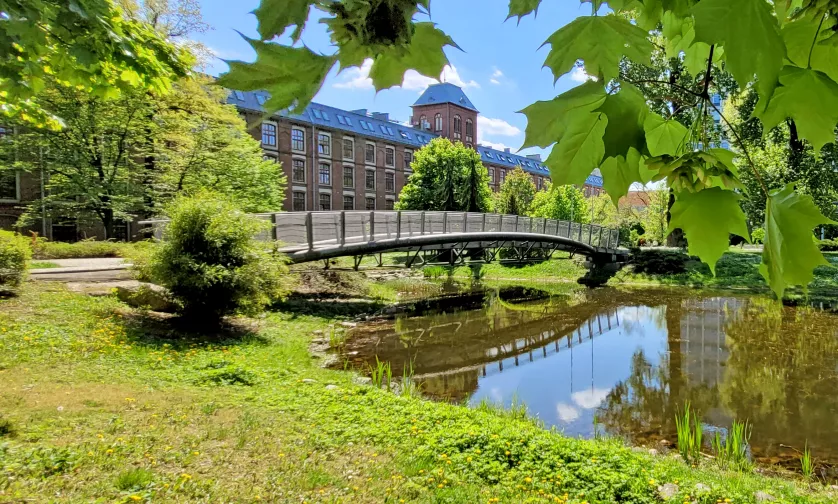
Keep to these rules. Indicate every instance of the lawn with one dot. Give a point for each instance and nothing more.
(104, 403)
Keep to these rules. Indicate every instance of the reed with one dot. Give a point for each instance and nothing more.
(732, 451)
(806, 463)
(690, 435)
(381, 374)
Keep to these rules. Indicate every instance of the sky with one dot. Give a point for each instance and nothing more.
(499, 66)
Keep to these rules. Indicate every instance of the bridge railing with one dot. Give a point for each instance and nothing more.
(314, 230)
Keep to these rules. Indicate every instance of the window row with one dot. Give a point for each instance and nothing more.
(324, 176)
(324, 202)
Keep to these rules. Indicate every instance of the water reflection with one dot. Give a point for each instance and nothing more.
(631, 359)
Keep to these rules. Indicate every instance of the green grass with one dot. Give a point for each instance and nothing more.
(109, 404)
(44, 249)
(43, 265)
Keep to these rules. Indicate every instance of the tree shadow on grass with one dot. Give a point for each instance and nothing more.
(159, 330)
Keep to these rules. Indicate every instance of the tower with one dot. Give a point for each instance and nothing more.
(444, 109)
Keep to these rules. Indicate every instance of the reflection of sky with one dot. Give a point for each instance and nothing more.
(565, 388)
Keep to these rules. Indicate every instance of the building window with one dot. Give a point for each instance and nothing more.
(469, 130)
(369, 180)
(325, 174)
(408, 158)
(348, 148)
(348, 176)
(458, 127)
(325, 202)
(492, 175)
(269, 134)
(423, 123)
(324, 145)
(369, 155)
(390, 156)
(502, 176)
(299, 201)
(438, 123)
(9, 189)
(389, 205)
(349, 202)
(298, 140)
(390, 182)
(298, 172)
(370, 204)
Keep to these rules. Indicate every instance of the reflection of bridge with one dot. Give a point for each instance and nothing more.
(523, 351)
(312, 236)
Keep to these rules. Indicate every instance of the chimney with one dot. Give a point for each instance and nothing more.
(362, 111)
(537, 157)
(381, 116)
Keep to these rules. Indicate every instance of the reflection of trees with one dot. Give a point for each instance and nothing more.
(781, 375)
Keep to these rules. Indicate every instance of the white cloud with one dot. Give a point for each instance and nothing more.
(578, 74)
(496, 76)
(359, 78)
(356, 77)
(489, 126)
(567, 413)
(590, 399)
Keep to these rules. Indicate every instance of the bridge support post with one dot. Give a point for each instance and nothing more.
(273, 227)
(342, 229)
(399, 224)
(591, 235)
(372, 226)
(444, 223)
(309, 231)
(422, 224)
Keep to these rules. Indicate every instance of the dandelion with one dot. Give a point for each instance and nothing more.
(136, 498)
(186, 476)
(196, 453)
(528, 479)
(109, 451)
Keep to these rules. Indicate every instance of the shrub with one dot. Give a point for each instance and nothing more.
(211, 262)
(660, 262)
(14, 254)
(44, 249)
(828, 245)
(758, 236)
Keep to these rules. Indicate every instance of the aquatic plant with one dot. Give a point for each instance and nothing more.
(689, 435)
(806, 464)
(733, 450)
(381, 374)
(408, 387)
(434, 271)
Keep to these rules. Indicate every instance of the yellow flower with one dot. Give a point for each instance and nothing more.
(468, 459)
(136, 498)
(528, 479)
(186, 476)
(196, 453)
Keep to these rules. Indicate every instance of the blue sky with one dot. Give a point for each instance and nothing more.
(499, 67)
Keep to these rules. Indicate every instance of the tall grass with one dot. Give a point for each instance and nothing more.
(689, 435)
(408, 387)
(381, 374)
(732, 451)
(435, 271)
(806, 463)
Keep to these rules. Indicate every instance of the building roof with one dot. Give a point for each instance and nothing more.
(364, 125)
(445, 93)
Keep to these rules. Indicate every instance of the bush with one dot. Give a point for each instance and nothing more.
(211, 262)
(44, 249)
(758, 236)
(660, 262)
(828, 245)
(14, 254)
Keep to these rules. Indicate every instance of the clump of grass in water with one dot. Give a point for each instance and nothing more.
(806, 463)
(689, 435)
(381, 374)
(733, 450)
(434, 272)
(336, 338)
(408, 386)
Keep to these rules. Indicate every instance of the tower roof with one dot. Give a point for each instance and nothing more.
(445, 93)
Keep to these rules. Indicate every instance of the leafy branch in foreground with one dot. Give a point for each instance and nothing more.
(785, 50)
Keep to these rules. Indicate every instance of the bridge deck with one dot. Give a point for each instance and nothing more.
(309, 236)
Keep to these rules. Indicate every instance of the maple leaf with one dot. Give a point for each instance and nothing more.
(579, 151)
(547, 121)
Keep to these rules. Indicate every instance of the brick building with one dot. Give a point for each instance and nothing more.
(337, 159)
(334, 159)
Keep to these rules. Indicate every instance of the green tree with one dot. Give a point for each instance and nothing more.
(446, 177)
(562, 203)
(516, 194)
(89, 44)
(95, 168)
(786, 52)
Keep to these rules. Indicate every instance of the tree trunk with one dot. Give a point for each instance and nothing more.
(676, 237)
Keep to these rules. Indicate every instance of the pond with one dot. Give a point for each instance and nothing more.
(624, 362)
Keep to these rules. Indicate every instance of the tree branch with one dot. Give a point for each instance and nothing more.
(744, 149)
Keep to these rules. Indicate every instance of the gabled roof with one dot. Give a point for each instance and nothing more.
(445, 93)
(359, 124)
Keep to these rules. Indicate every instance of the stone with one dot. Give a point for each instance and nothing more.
(701, 487)
(653, 452)
(309, 380)
(349, 325)
(668, 491)
(332, 387)
(318, 332)
(362, 380)
(146, 296)
(764, 497)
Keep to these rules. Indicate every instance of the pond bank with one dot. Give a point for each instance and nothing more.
(140, 409)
